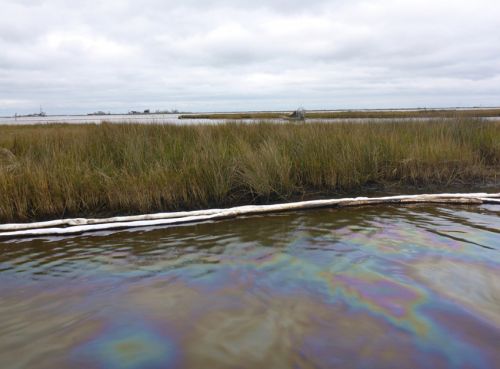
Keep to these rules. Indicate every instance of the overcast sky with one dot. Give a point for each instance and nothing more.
(228, 55)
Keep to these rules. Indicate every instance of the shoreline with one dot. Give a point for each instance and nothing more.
(332, 116)
(81, 226)
(370, 191)
(355, 114)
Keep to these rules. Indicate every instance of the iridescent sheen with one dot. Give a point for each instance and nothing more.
(376, 287)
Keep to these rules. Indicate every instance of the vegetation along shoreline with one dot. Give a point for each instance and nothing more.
(357, 114)
(61, 170)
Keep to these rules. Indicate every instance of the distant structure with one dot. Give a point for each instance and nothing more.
(134, 112)
(157, 111)
(41, 114)
(299, 114)
(173, 111)
(99, 112)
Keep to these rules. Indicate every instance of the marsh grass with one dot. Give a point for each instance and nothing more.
(356, 114)
(54, 171)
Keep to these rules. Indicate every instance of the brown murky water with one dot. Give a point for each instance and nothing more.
(379, 287)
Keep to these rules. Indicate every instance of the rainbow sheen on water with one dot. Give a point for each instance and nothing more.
(377, 287)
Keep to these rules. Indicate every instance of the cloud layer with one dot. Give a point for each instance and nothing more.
(227, 55)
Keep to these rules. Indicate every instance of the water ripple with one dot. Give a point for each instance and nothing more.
(375, 287)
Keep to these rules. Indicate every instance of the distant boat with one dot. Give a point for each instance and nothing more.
(299, 114)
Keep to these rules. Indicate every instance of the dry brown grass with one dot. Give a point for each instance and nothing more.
(54, 171)
(356, 114)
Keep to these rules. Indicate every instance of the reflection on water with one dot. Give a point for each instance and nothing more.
(379, 287)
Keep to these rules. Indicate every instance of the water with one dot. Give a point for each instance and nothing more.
(97, 119)
(377, 287)
(174, 119)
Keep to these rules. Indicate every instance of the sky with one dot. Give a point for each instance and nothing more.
(233, 55)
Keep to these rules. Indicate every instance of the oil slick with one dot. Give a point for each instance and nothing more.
(378, 287)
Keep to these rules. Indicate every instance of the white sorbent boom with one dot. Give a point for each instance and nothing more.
(81, 225)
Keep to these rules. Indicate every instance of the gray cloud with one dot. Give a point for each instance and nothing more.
(232, 55)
